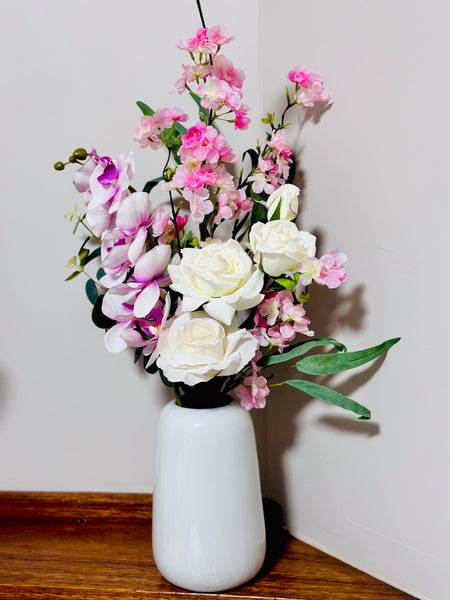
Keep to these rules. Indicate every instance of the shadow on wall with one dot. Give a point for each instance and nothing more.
(329, 311)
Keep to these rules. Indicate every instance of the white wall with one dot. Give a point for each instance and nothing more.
(73, 416)
(377, 185)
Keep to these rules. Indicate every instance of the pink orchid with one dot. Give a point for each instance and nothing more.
(332, 271)
(110, 180)
(138, 333)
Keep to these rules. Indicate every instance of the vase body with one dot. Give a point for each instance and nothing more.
(208, 523)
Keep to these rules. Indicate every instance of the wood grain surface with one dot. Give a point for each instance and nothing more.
(98, 546)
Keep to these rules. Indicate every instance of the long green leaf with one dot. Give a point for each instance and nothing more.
(299, 350)
(72, 275)
(146, 110)
(332, 397)
(325, 364)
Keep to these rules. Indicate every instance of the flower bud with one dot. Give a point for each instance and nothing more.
(80, 154)
(59, 166)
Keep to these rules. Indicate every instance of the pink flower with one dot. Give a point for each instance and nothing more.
(332, 271)
(300, 75)
(254, 391)
(163, 227)
(110, 180)
(199, 203)
(149, 130)
(309, 86)
(217, 92)
(278, 320)
(194, 179)
(175, 114)
(223, 69)
(203, 144)
(241, 121)
(232, 205)
(192, 73)
(207, 40)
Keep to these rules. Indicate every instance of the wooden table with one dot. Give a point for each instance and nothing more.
(98, 546)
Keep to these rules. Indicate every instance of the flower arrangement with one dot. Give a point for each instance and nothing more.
(210, 287)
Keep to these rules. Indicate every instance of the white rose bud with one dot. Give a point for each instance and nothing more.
(286, 197)
(279, 247)
(220, 276)
(196, 348)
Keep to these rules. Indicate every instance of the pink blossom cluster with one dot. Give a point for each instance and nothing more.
(148, 132)
(308, 86)
(206, 41)
(219, 83)
(278, 319)
(253, 391)
(202, 178)
(273, 164)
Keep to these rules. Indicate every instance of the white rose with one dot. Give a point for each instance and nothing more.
(279, 246)
(196, 348)
(286, 197)
(221, 276)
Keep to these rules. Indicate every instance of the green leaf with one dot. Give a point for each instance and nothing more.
(180, 127)
(100, 273)
(331, 396)
(151, 184)
(325, 364)
(299, 350)
(98, 318)
(72, 275)
(259, 211)
(82, 255)
(137, 354)
(253, 156)
(201, 110)
(286, 282)
(277, 213)
(164, 379)
(91, 291)
(146, 110)
(93, 255)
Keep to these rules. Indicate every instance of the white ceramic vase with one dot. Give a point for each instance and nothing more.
(208, 522)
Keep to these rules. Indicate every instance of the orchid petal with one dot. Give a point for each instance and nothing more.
(113, 339)
(146, 300)
(152, 263)
(134, 211)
